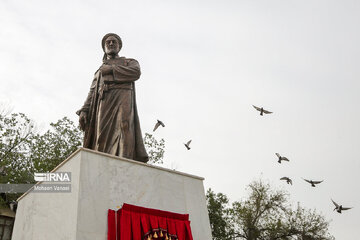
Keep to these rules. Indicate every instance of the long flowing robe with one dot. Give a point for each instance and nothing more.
(112, 120)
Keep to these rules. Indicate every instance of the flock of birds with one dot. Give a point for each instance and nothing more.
(262, 111)
(313, 183)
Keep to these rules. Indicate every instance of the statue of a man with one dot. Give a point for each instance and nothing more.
(109, 115)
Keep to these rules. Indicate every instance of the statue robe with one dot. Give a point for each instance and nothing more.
(112, 120)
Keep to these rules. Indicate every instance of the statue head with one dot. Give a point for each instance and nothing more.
(111, 44)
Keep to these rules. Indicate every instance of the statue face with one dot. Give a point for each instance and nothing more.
(112, 46)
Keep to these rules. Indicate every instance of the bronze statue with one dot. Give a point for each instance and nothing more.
(109, 115)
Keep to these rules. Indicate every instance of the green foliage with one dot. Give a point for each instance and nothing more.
(308, 224)
(219, 215)
(23, 151)
(16, 135)
(155, 148)
(49, 149)
(264, 215)
(261, 214)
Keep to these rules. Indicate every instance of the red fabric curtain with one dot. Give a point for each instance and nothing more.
(111, 225)
(138, 223)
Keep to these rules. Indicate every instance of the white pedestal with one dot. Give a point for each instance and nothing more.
(100, 182)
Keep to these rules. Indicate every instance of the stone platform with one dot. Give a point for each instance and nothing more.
(100, 182)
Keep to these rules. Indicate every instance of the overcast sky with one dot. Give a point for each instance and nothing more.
(204, 63)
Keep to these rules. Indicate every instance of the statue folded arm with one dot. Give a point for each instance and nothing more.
(129, 73)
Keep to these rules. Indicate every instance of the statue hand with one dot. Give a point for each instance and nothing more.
(106, 69)
(83, 120)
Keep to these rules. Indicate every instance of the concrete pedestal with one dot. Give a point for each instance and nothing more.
(100, 182)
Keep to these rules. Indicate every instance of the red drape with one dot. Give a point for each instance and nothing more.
(111, 225)
(138, 223)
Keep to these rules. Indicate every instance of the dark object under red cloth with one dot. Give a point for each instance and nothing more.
(138, 223)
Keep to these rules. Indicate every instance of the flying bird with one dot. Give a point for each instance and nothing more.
(339, 208)
(288, 180)
(159, 123)
(281, 158)
(313, 182)
(261, 110)
(187, 145)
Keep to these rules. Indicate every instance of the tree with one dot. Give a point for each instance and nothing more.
(267, 215)
(16, 134)
(24, 151)
(308, 224)
(155, 148)
(51, 148)
(219, 215)
(261, 214)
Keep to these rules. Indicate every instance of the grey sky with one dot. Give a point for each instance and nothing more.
(204, 63)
